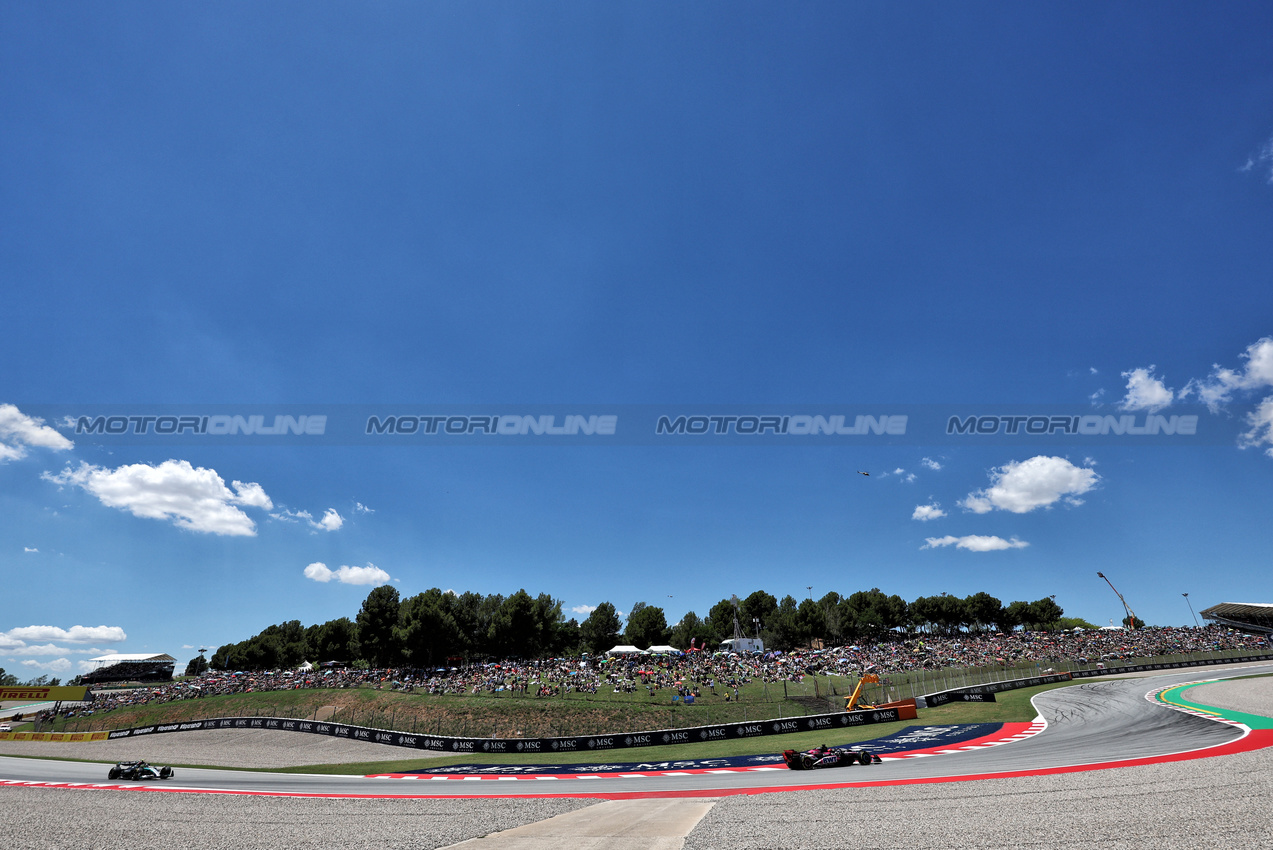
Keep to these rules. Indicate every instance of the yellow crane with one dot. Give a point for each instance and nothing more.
(851, 702)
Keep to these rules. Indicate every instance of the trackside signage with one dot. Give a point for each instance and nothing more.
(1166, 665)
(986, 692)
(42, 694)
(495, 746)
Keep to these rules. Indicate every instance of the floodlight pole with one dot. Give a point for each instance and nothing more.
(1190, 604)
(1131, 617)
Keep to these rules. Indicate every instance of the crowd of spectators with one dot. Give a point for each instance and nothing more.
(694, 675)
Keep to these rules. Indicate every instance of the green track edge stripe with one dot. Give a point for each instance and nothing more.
(1175, 696)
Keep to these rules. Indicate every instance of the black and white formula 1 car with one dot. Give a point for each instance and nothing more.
(138, 770)
(820, 757)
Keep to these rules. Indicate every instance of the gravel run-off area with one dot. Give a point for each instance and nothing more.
(1218, 802)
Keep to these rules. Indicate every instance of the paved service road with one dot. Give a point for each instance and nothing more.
(1088, 724)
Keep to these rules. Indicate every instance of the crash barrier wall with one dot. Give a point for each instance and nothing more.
(971, 693)
(932, 700)
(1168, 665)
(986, 692)
(581, 744)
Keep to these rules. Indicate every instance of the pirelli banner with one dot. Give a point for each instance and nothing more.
(27, 693)
(582, 744)
(55, 737)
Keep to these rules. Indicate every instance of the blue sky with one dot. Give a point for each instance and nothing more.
(821, 208)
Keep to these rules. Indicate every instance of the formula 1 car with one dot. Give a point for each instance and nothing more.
(820, 757)
(137, 770)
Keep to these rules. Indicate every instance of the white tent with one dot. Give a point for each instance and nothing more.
(623, 650)
(664, 650)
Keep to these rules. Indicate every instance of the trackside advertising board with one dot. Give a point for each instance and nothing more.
(986, 692)
(1168, 665)
(27, 693)
(580, 744)
(55, 737)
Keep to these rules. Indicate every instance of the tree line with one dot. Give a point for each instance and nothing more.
(437, 628)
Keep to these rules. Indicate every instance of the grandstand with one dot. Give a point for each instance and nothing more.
(144, 667)
(1255, 618)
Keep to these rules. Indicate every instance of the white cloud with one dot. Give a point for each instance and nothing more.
(57, 665)
(1095, 397)
(330, 522)
(974, 543)
(1261, 422)
(370, 574)
(17, 431)
(194, 498)
(1145, 391)
(1223, 383)
(1263, 160)
(39, 649)
(1034, 483)
(584, 609)
(75, 634)
(360, 508)
(924, 513)
(928, 462)
(29, 549)
(251, 495)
